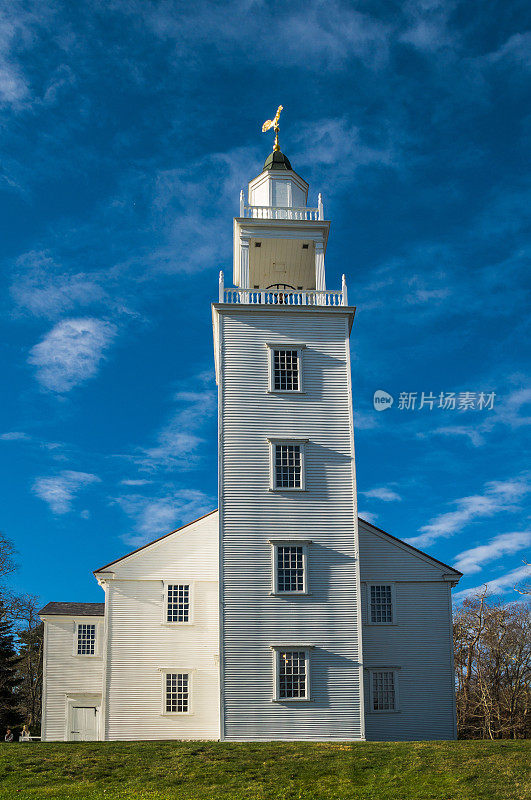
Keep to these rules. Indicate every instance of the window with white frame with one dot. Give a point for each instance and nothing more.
(178, 602)
(287, 465)
(285, 368)
(292, 674)
(384, 690)
(176, 692)
(86, 639)
(381, 609)
(290, 567)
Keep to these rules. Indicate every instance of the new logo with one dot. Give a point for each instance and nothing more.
(382, 400)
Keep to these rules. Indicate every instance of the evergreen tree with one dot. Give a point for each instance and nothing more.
(9, 678)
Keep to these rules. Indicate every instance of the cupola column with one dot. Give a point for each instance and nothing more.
(320, 283)
(244, 262)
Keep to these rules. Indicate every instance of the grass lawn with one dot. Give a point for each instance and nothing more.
(266, 771)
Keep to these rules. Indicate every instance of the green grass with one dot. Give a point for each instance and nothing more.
(266, 771)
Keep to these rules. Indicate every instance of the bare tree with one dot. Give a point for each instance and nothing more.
(524, 588)
(29, 631)
(7, 557)
(493, 668)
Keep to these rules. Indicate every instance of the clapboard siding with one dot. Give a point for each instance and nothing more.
(250, 514)
(140, 645)
(67, 674)
(418, 645)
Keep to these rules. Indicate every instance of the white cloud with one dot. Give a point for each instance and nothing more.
(71, 352)
(364, 421)
(43, 289)
(316, 37)
(427, 29)
(471, 561)
(135, 482)
(178, 442)
(507, 410)
(338, 146)
(14, 436)
(156, 516)
(498, 585)
(498, 496)
(472, 434)
(382, 493)
(516, 49)
(368, 516)
(13, 85)
(60, 490)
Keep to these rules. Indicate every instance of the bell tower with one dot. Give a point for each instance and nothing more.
(290, 610)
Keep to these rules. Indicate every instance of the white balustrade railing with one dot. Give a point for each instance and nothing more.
(290, 297)
(282, 212)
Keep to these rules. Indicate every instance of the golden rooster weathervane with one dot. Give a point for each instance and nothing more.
(273, 123)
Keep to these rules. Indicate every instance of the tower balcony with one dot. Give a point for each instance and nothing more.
(281, 294)
(304, 213)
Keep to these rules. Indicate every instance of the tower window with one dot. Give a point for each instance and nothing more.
(290, 566)
(288, 466)
(292, 674)
(287, 458)
(178, 602)
(290, 569)
(285, 367)
(381, 604)
(384, 690)
(86, 640)
(176, 693)
(286, 370)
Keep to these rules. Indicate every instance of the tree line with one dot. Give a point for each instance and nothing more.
(492, 652)
(21, 645)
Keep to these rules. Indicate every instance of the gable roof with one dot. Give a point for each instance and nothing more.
(159, 539)
(415, 550)
(369, 524)
(73, 609)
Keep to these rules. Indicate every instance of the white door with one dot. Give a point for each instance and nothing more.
(83, 724)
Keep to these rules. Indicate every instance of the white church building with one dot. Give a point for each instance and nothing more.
(281, 615)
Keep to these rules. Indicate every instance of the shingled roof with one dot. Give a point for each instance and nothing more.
(73, 609)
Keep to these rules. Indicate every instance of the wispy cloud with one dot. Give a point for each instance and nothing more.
(471, 433)
(498, 496)
(15, 436)
(316, 37)
(42, 288)
(368, 516)
(427, 25)
(382, 493)
(499, 585)
(339, 147)
(60, 490)
(71, 353)
(517, 49)
(154, 516)
(13, 84)
(471, 561)
(180, 439)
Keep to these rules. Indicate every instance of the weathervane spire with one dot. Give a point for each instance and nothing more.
(273, 123)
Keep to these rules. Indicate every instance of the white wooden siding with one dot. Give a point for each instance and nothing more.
(251, 514)
(66, 674)
(418, 645)
(140, 646)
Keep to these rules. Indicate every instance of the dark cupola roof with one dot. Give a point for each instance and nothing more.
(277, 160)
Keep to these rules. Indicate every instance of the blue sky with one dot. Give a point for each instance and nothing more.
(129, 128)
